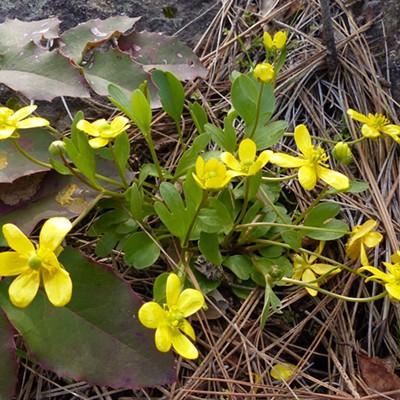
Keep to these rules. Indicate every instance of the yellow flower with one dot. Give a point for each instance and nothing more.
(247, 164)
(306, 269)
(375, 125)
(277, 43)
(212, 174)
(311, 163)
(264, 72)
(361, 237)
(282, 372)
(103, 131)
(172, 329)
(11, 121)
(391, 279)
(35, 264)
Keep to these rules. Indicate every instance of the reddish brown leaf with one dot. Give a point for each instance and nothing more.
(378, 376)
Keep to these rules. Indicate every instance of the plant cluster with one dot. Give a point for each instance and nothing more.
(224, 202)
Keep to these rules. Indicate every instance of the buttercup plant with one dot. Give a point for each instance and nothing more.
(222, 202)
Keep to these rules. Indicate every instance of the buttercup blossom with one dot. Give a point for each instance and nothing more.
(103, 131)
(282, 372)
(277, 43)
(172, 329)
(390, 279)
(360, 237)
(306, 269)
(264, 72)
(376, 125)
(212, 174)
(11, 121)
(36, 264)
(247, 164)
(312, 163)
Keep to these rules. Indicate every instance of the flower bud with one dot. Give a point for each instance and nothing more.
(57, 148)
(342, 153)
(264, 72)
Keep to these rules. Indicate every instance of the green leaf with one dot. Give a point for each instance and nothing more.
(199, 116)
(215, 217)
(8, 359)
(40, 74)
(292, 238)
(122, 150)
(267, 136)
(79, 40)
(189, 157)
(141, 250)
(159, 288)
(106, 244)
(101, 340)
(134, 195)
(240, 265)
(118, 97)
(171, 93)
(140, 112)
(174, 215)
(209, 247)
(271, 300)
(322, 216)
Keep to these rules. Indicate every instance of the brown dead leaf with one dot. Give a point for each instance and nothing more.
(378, 376)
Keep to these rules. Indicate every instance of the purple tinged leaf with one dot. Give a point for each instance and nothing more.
(8, 360)
(158, 51)
(15, 34)
(97, 337)
(76, 42)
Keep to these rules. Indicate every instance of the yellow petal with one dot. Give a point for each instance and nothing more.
(5, 133)
(353, 248)
(98, 142)
(280, 39)
(309, 276)
(53, 232)
(87, 127)
(190, 301)
(335, 179)
(393, 289)
(24, 288)
(151, 315)
(163, 338)
(247, 150)
(286, 161)
(17, 240)
(377, 274)
(188, 330)
(358, 116)
(307, 177)
(22, 113)
(372, 239)
(12, 264)
(58, 286)
(360, 231)
(33, 122)
(173, 290)
(198, 181)
(200, 166)
(322, 269)
(230, 161)
(282, 372)
(303, 139)
(370, 132)
(183, 346)
(267, 41)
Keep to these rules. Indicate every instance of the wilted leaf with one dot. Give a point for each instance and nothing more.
(378, 376)
(157, 51)
(8, 361)
(40, 74)
(97, 337)
(84, 37)
(15, 34)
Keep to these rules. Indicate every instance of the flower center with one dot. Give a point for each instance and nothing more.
(211, 174)
(379, 121)
(35, 262)
(175, 318)
(319, 156)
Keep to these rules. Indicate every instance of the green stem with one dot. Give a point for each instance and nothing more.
(121, 172)
(185, 242)
(245, 203)
(153, 153)
(258, 110)
(334, 295)
(280, 179)
(312, 205)
(179, 129)
(29, 157)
